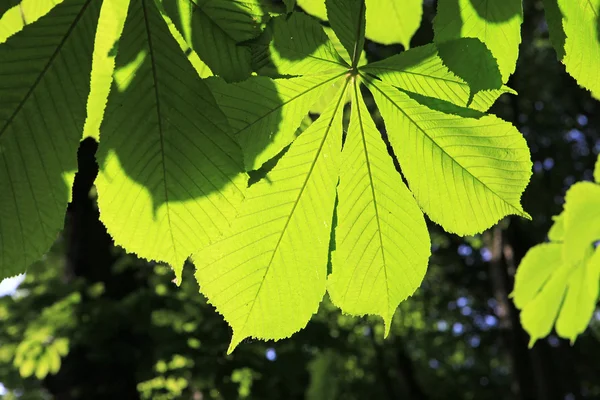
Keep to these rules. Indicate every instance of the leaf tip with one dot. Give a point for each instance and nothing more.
(236, 339)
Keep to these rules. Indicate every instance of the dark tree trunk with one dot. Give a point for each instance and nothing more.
(90, 257)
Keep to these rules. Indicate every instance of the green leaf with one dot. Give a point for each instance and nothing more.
(472, 61)
(108, 32)
(315, 8)
(16, 15)
(42, 113)
(185, 23)
(597, 171)
(391, 21)
(549, 288)
(215, 29)
(582, 219)
(421, 70)
(266, 125)
(260, 276)
(388, 21)
(347, 18)
(289, 5)
(496, 23)
(557, 231)
(556, 30)
(174, 164)
(580, 300)
(299, 46)
(466, 174)
(540, 285)
(580, 20)
(382, 242)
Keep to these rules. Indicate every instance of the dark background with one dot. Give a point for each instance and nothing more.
(129, 333)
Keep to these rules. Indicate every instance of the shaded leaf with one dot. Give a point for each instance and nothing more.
(175, 164)
(421, 70)
(266, 125)
(496, 23)
(41, 121)
(581, 24)
(347, 18)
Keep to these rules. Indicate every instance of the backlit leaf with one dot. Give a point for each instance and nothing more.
(42, 112)
(260, 276)
(496, 23)
(382, 243)
(466, 174)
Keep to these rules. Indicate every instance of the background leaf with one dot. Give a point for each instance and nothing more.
(582, 220)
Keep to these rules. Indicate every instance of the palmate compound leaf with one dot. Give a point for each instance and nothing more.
(550, 288)
(388, 21)
(170, 177)
(574, 27)
(43, 89)
(267, 275)
(465, 173)
(496, 23)
(421, 70)
(382, 242)
(254, 275)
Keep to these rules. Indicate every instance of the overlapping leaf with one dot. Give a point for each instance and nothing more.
(44, 85)
(14, 14)
(269, 123)
(575, 33)
(422, 70)
(388, 21)
(170, 178)
(496, 23)
(215, 29)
